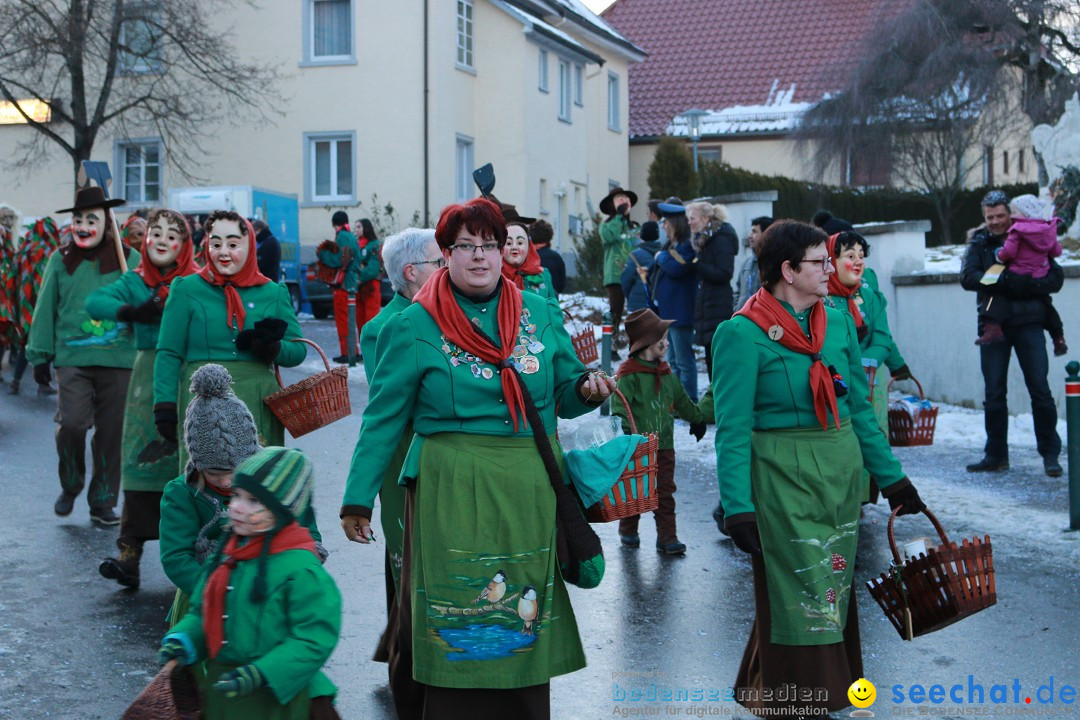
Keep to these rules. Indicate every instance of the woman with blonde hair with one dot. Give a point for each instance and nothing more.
(716, 244)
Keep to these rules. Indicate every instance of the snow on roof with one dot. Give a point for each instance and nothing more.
(778, 114)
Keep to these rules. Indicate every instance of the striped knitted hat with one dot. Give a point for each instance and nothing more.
(281, 478)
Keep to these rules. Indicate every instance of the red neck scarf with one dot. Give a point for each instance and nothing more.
(836, 287)
(531, 266)
(437, 297)
(766, 311)
(290, 537)
(248, 276)
(151, 273)
(633, 365)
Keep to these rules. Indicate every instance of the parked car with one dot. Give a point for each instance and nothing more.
(318, 294)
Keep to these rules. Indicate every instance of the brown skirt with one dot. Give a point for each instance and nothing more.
(796, 676)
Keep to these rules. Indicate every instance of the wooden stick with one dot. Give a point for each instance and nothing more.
(120, 254)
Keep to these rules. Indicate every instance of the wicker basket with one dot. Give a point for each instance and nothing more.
(634, 492)
(172, 694)
(313, 402)
(905, 430)
(938, 588)
(584, 343)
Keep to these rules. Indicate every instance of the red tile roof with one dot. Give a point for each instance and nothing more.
(714, 54)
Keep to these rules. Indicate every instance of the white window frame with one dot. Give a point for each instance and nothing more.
(543, 196)
(334, 198)
(614, 113)
(120, 163)
(465, 45)
(133, 64)
(579, 84)
(542, 70)
(566, 82)
(464, 161)
(309, 58)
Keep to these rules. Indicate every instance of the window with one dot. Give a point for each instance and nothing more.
(139, 166)
(328, 32)
(140, 51)
(543, 196)
(988, 165)
(463, 168)
(542, 82)
(579, 86)
(1005, 162)
(465, 33)
(1020, 161)
(613, 102)
(329, 170)
(565, 89)
(714, 154)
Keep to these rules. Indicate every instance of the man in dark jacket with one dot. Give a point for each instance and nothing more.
(1025, 310)
(541, 233)
(267, 250)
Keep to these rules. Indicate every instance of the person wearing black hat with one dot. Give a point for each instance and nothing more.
(93, 358)
(618, 234)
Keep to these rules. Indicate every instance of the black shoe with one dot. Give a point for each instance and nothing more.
(671, 547)
(629, 540)
(1052, 467)
(64, 504)
(718, 516)
(114, 569)
(989, 464)
(104, 516)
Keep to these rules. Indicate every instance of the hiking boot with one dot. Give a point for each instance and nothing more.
(989, 464)
(1052, 467)
(630, 540)
(671, 547)
(64, 504)
(1060, 348)
(104, 516)
(124, 569)
(991, 334)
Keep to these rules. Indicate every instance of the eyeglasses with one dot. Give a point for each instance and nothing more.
(439, 263)
(824, 262)
(470, 249)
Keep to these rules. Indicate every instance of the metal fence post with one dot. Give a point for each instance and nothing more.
(352, 330)
(1072, 424)
(605, 355)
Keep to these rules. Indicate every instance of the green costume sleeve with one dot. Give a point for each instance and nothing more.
(105, 302)
(734, 390)
(879, 341)
(329, 258)
(686, 408)
(705, 405)
(291, 353)
(369, 263)
(314, 622)
(567, 369)
(172, 344)
(41, 343)
(179, 527)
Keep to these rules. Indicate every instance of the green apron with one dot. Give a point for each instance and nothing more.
(252, 382)
(139, 431)
(484, 509)
(805, 486)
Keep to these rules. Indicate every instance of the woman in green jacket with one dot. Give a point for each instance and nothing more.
(149, 462)
(230, 314)
(793, 431)
(521, 263)
(484, 616)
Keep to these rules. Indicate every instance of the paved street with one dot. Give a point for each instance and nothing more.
(75, 646)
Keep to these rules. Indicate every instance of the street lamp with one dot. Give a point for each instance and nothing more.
(693, 122)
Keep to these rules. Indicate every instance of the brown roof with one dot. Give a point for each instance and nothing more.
(714, 54)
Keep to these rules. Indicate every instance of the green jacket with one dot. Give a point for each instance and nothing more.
(877, 344)
(289, 636)
(129, 289)
(64, 333)
(758, 384)
(370, 332)
(345, 240)
(895, 360)
(653, 410)
(194, 329)
(619, 239)
(420, 376)
(192, 521)
(370, 262)
(541, 284)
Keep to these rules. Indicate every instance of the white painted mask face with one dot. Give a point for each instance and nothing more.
(228, 247)
(88, 227)
(516, 249)
(163, 241)
(850, 266)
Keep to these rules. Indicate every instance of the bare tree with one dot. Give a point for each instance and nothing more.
(167, 68)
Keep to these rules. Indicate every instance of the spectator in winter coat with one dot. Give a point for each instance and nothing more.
(716, 245)
(541, 234)
(749, 279)
(674, 284)
(618, 235)
(635, 275)
(267, 251)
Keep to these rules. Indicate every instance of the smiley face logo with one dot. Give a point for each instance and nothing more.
(862, 693)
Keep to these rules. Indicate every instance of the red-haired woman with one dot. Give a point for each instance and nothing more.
(466, 362)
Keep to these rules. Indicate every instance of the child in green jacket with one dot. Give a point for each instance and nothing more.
(264, 621)
(653, 394)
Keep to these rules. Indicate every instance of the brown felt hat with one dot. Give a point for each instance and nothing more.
(607, 205)
(92, 197)
(644, 328)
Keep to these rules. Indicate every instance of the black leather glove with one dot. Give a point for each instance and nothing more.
(746, 538)
(697, 430)
(907, 496)
(148, 312)
(165, 420)
(264, 340)
(42, 376)
(901, 373)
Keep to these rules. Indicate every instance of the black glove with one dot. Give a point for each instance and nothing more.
(264, 340)
(42, 376)
(901, 373)
(906, 496)
(697, 430)
(862, 331)
(149, 312)
(165, 419)
(746, 538)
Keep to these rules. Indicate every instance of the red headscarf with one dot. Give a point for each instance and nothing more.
(151, 273)
(437, 297)
(249, 276)
(838, 288)
(531, 266)
(767, 312)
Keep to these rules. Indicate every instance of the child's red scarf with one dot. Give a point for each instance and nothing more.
(248, 276)
(766, 311)
(632, 365)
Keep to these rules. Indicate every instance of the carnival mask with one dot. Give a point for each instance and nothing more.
(88, 227)
(228, 247)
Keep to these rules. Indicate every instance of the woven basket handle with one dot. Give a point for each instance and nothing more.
(277, 368)
(629, 414)
(918, 384)
(892, 534)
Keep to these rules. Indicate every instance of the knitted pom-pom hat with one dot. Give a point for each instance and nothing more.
(281, 478)
(219, 430)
